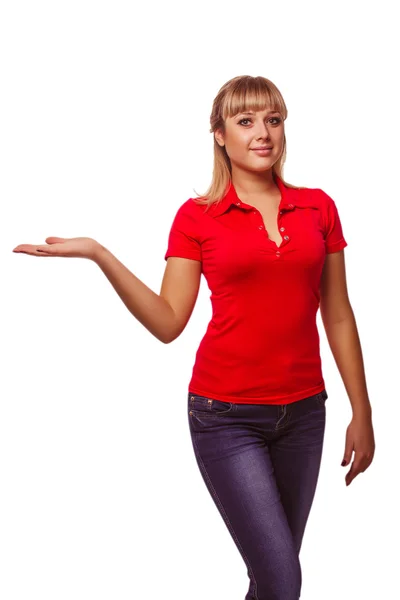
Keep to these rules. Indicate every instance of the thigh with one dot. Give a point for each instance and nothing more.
(296, 457)
(235, 463)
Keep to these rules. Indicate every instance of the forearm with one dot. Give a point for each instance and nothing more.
(150, 309)
(345, 345)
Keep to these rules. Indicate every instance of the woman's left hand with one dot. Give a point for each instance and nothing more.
(360, 439)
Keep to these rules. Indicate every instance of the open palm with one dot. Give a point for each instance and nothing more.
(79, 247)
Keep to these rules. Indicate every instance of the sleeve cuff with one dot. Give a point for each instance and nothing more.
(181, 254)
(336, 247)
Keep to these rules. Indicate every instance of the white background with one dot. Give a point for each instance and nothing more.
(104, 110)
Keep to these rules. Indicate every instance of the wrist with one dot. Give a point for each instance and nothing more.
(363, 413)
(98, 252)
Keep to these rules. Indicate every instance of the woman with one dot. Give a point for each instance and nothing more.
(272, 254)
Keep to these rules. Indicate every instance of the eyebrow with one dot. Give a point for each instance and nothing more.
(271, 112)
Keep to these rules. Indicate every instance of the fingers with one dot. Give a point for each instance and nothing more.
(357, 466)
(350, 475)
(33, 250)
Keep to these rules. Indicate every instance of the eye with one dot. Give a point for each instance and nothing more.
(277, 119)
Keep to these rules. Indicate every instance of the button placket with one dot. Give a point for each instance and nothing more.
(278, 252)
(286, 238)
(261, 227)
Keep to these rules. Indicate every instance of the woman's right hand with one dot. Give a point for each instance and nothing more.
(79, 247)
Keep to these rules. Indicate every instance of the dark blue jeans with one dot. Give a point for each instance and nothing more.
(260, 464)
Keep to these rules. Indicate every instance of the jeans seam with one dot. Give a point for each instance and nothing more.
(207, 412)
(201, 414)
(284, 414)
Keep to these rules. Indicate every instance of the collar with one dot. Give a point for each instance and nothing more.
(290, 199)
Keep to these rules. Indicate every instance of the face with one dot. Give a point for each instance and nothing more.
(244, 132)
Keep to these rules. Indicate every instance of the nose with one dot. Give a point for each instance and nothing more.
(262, 130)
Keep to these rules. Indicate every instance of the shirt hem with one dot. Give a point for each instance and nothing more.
(274, 400)
(336, 247)
(177, 253)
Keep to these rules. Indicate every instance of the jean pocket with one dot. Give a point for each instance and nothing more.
(208, 407)
(321, 398)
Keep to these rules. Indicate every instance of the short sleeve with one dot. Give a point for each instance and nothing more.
(333, 232)
(183, 239)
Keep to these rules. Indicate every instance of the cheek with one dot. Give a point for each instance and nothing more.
(239, 147)
(241, 140)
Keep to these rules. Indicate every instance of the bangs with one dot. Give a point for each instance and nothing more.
(252, 94)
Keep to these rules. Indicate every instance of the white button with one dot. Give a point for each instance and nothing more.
(238, 203)
(261, 227)
(280, 212)
(290, 205)
(286, 237)
(278, 253)
(255, 212)
(282, 229)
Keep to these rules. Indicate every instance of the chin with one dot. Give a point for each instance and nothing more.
(263, 162)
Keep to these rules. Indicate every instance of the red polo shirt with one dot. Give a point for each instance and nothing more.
(262, 344)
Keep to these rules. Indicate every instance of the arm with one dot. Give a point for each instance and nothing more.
(341, 331)
(166, 314)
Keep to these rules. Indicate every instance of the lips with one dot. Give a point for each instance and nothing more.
(263, 148)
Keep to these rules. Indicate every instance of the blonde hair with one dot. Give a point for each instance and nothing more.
(240, 94)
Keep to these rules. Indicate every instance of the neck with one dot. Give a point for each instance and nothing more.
(253, 184)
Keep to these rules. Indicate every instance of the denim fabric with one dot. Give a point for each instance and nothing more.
(260, 464)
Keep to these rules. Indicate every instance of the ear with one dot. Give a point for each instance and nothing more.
(219, 137)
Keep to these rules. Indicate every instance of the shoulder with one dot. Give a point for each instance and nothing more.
(185, 210)
(188, 215)
(191, 210)
(318, 198)
(316, 194)
(190, 207)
